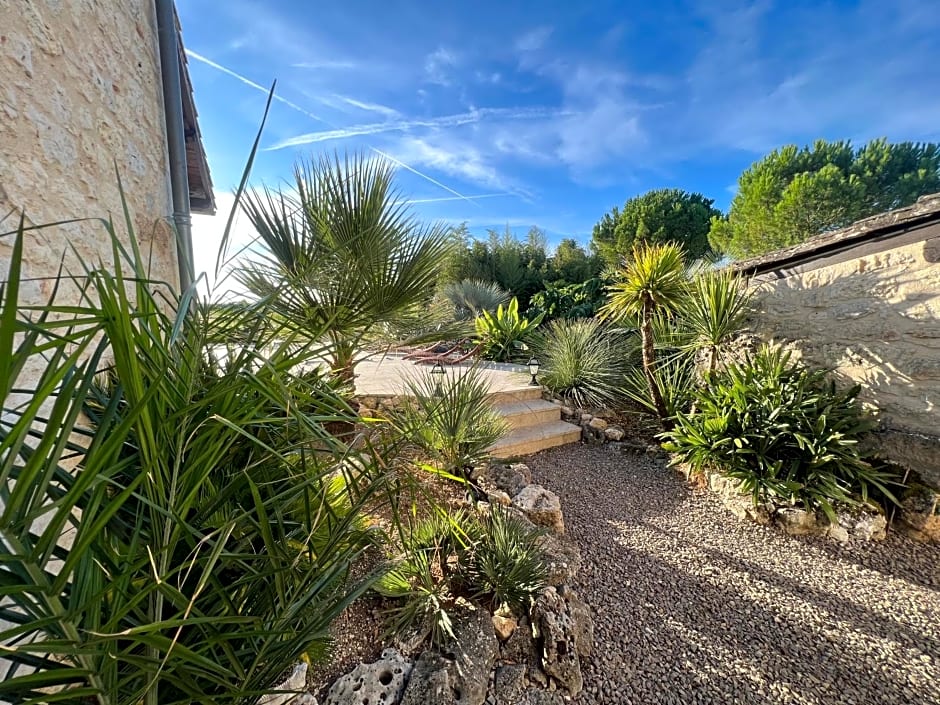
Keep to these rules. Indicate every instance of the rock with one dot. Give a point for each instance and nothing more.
(508, 684)
(870, 526)
(379, 682)
(461, 672)
(555, 634)
(567, 413)
(614, 433)
(504, 626)
(739, 503)
(503, 478)
(799, 522)
(920, 513)
(534, 696)
(582, 621)
(523, 470)
(519, 648)
(541, 506)
(498, 497)
(562, 558)
(295, 683)
(838, 532)
(585, 418)
(597, 423)
(305, 699)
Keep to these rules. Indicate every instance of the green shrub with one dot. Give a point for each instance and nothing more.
(675, 378)
(503, 335)
(583, 361)
(470, 297)
(492, 558)
(452, 422)
(783, 431)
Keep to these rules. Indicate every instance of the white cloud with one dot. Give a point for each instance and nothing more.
(438, 65)
(534, 39)
(461, 160)
(363, 105)
(326, 65)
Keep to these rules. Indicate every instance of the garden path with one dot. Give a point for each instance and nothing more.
(692, 605)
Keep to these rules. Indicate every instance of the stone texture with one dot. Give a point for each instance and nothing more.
(920, 513)
(614, 433)
(295, 682)
(508, 683)
(597, 423)
(562, 558)
(369, 683)
(461, 671)
(501, 477)
(555, 633)
(504, 626)
(519, 648)
(582, 622)
(874, 320)
(498, 497)
(798, 522)
(541, 506)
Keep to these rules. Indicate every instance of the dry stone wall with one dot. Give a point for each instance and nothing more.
(81, 94)
(875, 320)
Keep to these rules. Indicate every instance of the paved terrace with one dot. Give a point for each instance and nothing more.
(385, 375)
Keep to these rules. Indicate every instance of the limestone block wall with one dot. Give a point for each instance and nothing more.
(81, 95)
(874, 320)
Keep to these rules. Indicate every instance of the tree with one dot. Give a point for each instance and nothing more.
(656, 217)
(571, 264)
(793, 194)
(341, 252)
(652, 283)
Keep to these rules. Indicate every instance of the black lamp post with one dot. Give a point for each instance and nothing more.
(533, 370)
(437, 373)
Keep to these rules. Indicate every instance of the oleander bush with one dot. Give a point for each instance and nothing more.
(785, 432)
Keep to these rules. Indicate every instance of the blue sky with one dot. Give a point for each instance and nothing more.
(550, 113)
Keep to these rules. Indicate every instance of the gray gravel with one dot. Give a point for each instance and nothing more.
(692, 605)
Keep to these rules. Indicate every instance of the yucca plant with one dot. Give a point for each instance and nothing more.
(715, 310)
(651, 283)
(785, 432)
(504, 334)
(584, 361)
(452, 422)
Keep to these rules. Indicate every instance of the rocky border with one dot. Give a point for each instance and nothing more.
(499, 659)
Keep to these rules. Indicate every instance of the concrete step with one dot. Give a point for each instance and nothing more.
(532, 412)
(515, 394)
(532, 439)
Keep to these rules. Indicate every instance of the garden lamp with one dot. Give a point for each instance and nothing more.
(533, 370)
(437, 374)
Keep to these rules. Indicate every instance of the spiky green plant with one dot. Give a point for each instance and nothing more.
(341, 254)
(715, 310)
(651, 283)
(470, 297)
(584, 361)
(451, 421)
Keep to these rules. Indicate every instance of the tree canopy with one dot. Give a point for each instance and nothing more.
(657, 217)
(793, 194)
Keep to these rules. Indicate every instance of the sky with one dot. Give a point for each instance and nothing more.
(503, 113)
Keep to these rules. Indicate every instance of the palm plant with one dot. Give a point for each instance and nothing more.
(715, 310)
(341, 254)
(207, 547)
(651, 283)
(470, 297)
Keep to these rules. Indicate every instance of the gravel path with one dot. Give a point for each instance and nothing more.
(692, 605)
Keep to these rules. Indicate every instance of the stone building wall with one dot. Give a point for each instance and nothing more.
(80, 95)
(875, 320)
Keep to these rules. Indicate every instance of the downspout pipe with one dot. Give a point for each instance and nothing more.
(175, 137)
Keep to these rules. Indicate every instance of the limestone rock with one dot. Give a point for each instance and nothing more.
(562, 558)
(508, 684)
(379, 682)
(294, 684)
(519, 648)
(799, 522)
(586, 418)
(582, 621)
(569, 414)
(614, 433)
(555, 633)
(920, 513)
(462, 672)
(870, 526)
(498, 497)
(503, 478)
(541, 506)
(597, 423)
(523, 470)
(504, 625)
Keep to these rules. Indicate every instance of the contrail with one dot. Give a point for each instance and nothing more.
(453, 198)
(294, 106)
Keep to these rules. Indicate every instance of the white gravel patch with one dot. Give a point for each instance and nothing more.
(693, 605)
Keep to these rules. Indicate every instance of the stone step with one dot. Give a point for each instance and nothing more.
(532, 412)
(515, 394)
(532, 439)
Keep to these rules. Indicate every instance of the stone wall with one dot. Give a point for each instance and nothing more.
(81, 94)
(875, 320)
